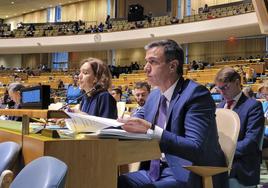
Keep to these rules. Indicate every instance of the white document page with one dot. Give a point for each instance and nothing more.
(86, 123)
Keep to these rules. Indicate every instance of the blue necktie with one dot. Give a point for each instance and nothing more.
(154, 171)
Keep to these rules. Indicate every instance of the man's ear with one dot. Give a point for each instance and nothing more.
(173, 65)
(238, 82)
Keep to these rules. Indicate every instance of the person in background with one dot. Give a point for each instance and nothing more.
(141, 92)
(61, 85)
(95, 80)
(117, 94)
(180, 114)
(206, 8)
(73, 91)
(247, 159)
(248, 91)
(14, 91)
(6, 101)
(263, 95)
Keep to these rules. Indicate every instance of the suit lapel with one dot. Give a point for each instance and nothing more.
(175, 96)
(241, 100)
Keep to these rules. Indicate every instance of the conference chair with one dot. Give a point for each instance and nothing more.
(8, 154)
(228, 125)
(44, 172)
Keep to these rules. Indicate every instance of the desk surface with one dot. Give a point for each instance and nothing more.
(34, 113)
(92, 162)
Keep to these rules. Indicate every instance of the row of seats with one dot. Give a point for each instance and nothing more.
(51, 171)
(122, 25)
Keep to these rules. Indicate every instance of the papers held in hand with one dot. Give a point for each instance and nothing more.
(103, 127)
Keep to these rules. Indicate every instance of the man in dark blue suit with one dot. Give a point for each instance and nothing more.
(246, 165)
(181, 115)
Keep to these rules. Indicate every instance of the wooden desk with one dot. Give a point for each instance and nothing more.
(92, 162)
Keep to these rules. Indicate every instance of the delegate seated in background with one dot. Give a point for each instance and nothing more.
(14, 91)
(117, 94)
(206, 8)
(247, 158)
(95, 80)
(263, 94)
(6, 101)
(247, 90)
(73, 91)
(181, 115)
(141, 92)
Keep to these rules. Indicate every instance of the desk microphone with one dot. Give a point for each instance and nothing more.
(96, 87)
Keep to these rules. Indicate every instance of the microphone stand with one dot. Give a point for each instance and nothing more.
(79, 97)
(95, 88)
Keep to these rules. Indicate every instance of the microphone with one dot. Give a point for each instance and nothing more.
(96, 87)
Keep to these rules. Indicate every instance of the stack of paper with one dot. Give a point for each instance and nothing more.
(122, 134)
(103, 127)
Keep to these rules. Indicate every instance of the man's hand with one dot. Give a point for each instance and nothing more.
(135, 125)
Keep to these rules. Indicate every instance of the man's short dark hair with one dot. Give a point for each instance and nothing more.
(227, 74)
(140, 85)
(172, 51)
(118, 91)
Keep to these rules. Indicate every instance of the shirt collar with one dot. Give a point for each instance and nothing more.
(169, 92)
(237, 97)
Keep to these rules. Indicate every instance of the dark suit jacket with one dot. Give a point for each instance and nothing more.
(247, 159)
(191, 136)
(102, 104)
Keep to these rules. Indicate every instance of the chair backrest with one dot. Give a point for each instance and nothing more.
(8, 154)
(44, 172)
(228, 125)
(121, 106)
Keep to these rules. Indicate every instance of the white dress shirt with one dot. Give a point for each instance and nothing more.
(235, 99)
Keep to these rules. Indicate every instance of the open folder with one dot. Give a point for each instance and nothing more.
(103, 127)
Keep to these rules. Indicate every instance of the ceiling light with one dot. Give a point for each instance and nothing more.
(12, 2)
(6, 16)
(42, 7)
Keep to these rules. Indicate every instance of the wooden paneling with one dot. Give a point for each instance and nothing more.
(91, 162)
(231, 49)
(92, 10)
